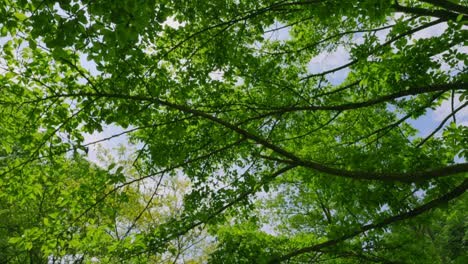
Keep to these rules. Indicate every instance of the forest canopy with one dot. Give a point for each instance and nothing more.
(255, 131)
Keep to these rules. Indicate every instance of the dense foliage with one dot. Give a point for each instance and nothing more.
(246, 149)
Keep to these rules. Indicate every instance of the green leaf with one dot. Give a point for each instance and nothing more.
(3, 31)
(20, 16)
(119, 170)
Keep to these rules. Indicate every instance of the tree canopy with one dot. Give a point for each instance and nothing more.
(243, 148)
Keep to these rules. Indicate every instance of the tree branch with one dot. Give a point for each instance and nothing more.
(371, 102)
(448, 5)
(458, 191)
(407, 177)
(441, 125)
(446, 15)
(292, 158)
(388, 128)
(407, 33)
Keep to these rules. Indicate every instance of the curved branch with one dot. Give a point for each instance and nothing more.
(446, 15)
(292, 158)
(458, 191)
(288, 25)
(441, 125)
(371, 102)
(448, 5)
(388, 128)
(337, 90)
(313, 130)
(342, 67)
(407, 177)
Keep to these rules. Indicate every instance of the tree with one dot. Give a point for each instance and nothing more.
(213, 97)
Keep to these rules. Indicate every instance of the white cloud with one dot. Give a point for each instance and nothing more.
(430, 32)
(330, 60)
(446, 108)
(170, 22)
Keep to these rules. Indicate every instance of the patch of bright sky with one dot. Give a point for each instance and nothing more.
(277, 32)
(329, 60)
(323, 62)
(170, 22)
(107, 139)
(89, 66)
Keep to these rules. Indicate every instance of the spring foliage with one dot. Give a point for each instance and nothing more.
(274, 156)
